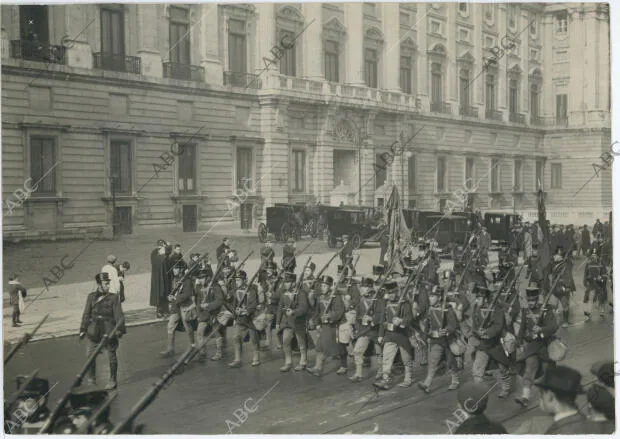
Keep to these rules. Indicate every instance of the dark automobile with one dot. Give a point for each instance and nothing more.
(289, 221)
(451, 230)
(419, 222)
(500, 225)
(360, 223)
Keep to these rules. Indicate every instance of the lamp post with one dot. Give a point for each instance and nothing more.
(113, 179)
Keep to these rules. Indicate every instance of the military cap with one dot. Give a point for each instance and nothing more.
(325, 279)
(482, 291)
(604, 371)
(290, 277)
(473, 397)
(367, 282)
(312, 266)
(102, 277)
(240, 274)
(378, 270)
(532, 292)
(36, 388)
(390, 286)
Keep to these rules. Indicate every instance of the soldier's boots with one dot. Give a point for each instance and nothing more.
(218, 349)
(426, 388)
(455, 382)
(237, 361)
(288, 359)
(303, 361)
(317, 370)
(408, 381)
(379, 373)
(384, 383)
(169, 351)
(112, 384)
(359, 367)
(256, 359)
(524, 399)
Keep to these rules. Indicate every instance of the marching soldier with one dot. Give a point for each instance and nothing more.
(420, 304)
(441, 324)
(369, 312)
(291, 319)
(181, 306)
(101, 314)
(595, 281)
(488, 325)
(329, 312)
(394, 335)
(346, 255)
(289, 263)
(272, 287)
(223, 249)
(223, 288)
(246, 303)
(210, 301)
(266, 254)
(562, 290)
(536, 327)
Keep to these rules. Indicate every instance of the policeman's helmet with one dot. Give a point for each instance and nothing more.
(102, 277)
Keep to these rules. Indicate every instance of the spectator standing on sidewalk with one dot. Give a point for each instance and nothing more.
(121, 269)
(585, 240)
(223, 249)
(16, 297)
(110, 268)
(160, 282)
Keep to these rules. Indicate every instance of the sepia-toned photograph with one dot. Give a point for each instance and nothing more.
(307, 218)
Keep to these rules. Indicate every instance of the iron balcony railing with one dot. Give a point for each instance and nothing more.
(36, 51)
(441, 107)
(184, 71)
(491, 114)
(117, 62)
(468, 111)
(242, 79)
(517, 118)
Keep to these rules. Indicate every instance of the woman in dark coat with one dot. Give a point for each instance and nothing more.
(160, 281)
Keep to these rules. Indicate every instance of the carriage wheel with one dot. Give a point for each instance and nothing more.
(356, 241)
(297, 232)
(331, 241)
(262, 232)
(285, 232)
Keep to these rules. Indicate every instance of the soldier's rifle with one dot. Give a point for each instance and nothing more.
(293, 304)
(549, 294)
(371, 309)
(333, 293)
(497, 296)
(49, 424)
(322, 270)
(25, 339)
(235, 269)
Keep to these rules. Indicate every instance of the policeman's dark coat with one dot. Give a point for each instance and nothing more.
(160, 281)
(328, 332)
(103, 309)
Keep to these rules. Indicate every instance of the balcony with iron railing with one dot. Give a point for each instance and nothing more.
(441, 107)
(36, 51)
(491, 114)
(468, 111)
(242, 79)
(536, 120)
(550, 121)
(117, 62)
(517, 118)
(184, 71)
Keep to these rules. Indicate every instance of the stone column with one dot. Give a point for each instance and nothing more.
(423, 86)
(452, 94)
(525, 60)
(149, 16)
(354, 51)
(265, 37)
(547, 98)
(209, 38)
(581, 72)
(603, 72)
(312, 41)
(478, 85)
(78, 53)
(502, 87)
(391, 46)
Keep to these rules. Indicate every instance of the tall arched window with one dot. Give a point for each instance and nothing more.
(373, 50)
(334, 36)
(407, 66)
(289, 22)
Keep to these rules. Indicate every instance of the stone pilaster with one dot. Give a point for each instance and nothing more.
(502, 84)
(391, 46)
(354, 54)
(451, 67)
(312, 41)
(209, 39)
(423, 67)
(148, 48)
(478, 84)
(547, 99)
(79, 53)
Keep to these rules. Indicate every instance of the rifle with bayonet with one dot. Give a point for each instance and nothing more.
(84, 428)
(49, 424)
(332, 295)
(25, 339)
(320, 273)
(370, 312)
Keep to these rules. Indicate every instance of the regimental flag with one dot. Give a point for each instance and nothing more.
(399, 233)
(544, 248)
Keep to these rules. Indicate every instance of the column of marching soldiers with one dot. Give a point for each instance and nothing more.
(406, 310)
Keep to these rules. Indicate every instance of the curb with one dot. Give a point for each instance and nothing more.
(64, 334)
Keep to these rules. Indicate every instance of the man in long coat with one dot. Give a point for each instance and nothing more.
(160, 281)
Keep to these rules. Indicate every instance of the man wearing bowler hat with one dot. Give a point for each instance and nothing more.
(559, 387)
(473, 398)
(101, 314)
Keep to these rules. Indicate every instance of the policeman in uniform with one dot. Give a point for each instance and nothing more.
(210, 302)
(370, 309)
(180, 306)
(394, 333)
(488, 324)
(291, 319)
(595, 281)
(101, 314)
(536, 328)
(329, 313)
(246, 302)
(441, 324)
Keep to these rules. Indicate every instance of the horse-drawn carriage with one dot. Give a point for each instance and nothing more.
(360, 223)
(286, 221)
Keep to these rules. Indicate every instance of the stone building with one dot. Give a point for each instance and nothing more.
(170, 114)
